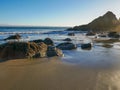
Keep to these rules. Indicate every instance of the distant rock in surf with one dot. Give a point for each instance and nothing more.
(67, 39)
(90, 34)
(113, 35)
(71, 34)
(17, 36)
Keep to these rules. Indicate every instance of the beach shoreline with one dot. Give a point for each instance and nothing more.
(53, 74)
(44, 74)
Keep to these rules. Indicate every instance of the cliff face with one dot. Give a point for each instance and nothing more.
(107, 22)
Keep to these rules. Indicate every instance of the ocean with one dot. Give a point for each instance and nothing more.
(31, 33)
(95, 55)
(58, 34)
(29, 30)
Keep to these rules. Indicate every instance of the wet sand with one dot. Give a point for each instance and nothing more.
(53, 74)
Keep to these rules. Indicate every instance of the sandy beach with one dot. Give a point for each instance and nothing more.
(53, 74)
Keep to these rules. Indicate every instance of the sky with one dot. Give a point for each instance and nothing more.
(54, 12)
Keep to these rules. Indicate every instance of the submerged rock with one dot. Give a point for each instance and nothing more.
(67, 39)
(107, 45)
(67, 46)
(17, 36)
(71, 34)
(49, 41)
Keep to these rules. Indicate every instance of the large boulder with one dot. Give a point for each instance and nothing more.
(53, 51)
(17, 36)
(19, 50)
(66, 46)
(49, 41)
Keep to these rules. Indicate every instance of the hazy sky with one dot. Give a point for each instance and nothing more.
(54, 12)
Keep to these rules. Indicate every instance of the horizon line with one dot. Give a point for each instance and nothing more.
(1, 25)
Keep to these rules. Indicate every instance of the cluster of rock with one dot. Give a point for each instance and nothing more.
(32, 49)
(35, 49)
(107, 22)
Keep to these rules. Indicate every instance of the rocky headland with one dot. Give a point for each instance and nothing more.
(107, 22)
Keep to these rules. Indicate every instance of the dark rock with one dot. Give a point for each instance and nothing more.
(86, 46)
(20, 50)
(17, 36)
(102, 35)
(90, 34)
(53, 51)
(67, 39)
(71, 34)
(49, 41)
(67, 46)
(37, 41)
(113, 35)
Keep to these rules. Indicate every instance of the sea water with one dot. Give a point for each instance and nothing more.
(57, 34)
(31, 33)
(28, 31)
(96, 56)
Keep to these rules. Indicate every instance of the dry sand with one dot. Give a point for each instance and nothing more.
(53, 74)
